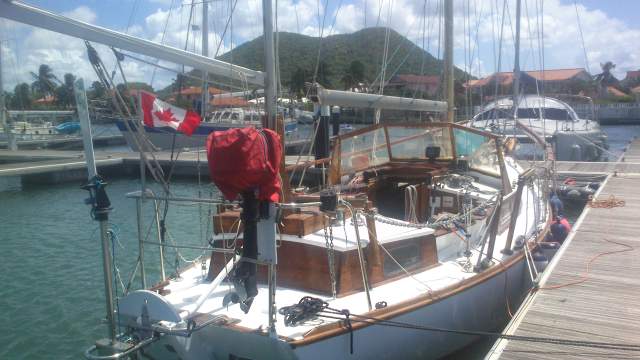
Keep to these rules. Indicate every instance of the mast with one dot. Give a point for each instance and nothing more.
(101, 206)
(269, 65)
(4, 118)
(516, 63)
(205, 53)
(448, 58)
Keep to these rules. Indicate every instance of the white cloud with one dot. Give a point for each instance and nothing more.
(82, 13)
(605, 38)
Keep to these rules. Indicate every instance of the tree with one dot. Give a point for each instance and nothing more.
(21, 99)
(324, 74)
(64, 93)
(353, 75)
(296, 85)
(97, 90)
(45, 80)
(606, 78)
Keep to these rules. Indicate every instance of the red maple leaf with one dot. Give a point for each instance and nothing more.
(165, 115)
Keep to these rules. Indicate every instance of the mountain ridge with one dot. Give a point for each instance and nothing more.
(299, 52)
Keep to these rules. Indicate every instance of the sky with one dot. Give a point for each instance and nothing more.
(552, 32)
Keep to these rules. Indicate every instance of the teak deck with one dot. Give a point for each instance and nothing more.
(605, 307)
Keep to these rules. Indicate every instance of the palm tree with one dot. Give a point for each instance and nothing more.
(606, 78)
(64, 93)
(21, 98)
(45, 80)
(98, 90)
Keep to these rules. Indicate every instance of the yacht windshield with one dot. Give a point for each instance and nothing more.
(480, 151)
(364, 150)
(412, 142)
(380, 145)
(525, 113)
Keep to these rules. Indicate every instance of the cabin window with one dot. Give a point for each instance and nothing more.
(479, 150)
(361, 151)
(407, 255)
(411, 142)
(555, 114)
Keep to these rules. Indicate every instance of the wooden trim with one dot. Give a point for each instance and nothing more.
(334, 168)
(307, 164)
(338, 328)
(388, 142)
(359, 132)
(504, 175)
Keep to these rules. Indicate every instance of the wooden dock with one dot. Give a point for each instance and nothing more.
(591, 289)
(72, 142)
(53, 166)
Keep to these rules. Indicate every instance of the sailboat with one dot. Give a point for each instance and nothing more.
(419, 241)
(572, 138)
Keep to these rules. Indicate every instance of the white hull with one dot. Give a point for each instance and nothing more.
(480, 308)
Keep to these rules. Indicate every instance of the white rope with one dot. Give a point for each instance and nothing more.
(429, 290)
(411, 198)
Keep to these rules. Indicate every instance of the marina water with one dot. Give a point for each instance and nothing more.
(52, 298)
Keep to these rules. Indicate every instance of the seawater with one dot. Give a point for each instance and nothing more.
(50, 263)
(52, 297)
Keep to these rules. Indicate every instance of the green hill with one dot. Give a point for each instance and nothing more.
(299, 53)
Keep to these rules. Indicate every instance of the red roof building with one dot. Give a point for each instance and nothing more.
(195, 92)
(228, 102)
(427, 84)
(48, 99)
(556, 80)
(632, 75)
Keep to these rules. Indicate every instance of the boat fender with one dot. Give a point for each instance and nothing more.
(594, 185)
(538, 256)
(519, 242)
(576, 152)
(549, 245)
(540, 261)
(592, 153)
(573, 194)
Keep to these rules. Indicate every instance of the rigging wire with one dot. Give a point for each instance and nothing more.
(226, 27)
(164, 32)
(584, 48)
(320, 37)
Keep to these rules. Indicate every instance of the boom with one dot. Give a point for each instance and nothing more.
(30, 15)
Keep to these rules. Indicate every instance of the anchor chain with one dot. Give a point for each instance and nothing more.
(328, 238)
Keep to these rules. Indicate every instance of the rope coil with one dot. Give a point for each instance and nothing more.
(608, 203)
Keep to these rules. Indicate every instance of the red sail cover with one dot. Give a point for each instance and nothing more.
(243, 159)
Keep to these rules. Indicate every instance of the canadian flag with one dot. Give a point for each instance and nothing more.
(157, 113)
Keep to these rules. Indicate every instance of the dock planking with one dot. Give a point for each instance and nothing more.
(603, 308)
(30, 162)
